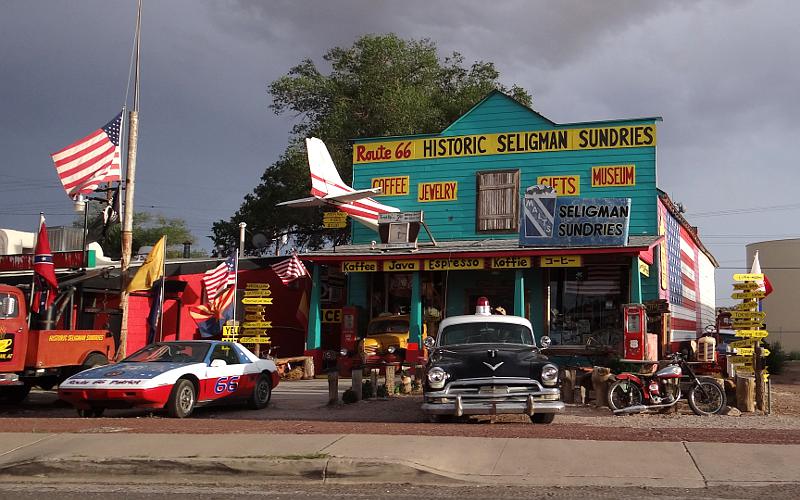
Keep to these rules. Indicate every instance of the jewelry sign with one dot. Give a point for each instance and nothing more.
(550, 220)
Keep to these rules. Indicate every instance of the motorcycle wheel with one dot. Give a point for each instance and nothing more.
(706, 398)
(623, 394)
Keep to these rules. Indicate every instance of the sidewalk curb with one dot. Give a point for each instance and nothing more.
(326, 470)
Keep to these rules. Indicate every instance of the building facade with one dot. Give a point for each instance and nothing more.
(560, 223)
(779, 261)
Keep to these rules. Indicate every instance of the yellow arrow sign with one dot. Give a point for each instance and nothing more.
(748, 277)
(747, 325)
(757, 315)
(257, 293)
(752, 334)
(744, 369)
(254, 340)
(257, 324)
(747, 285)
(746, 306)
(254, 317)
(759, 294)
(739, 344)
(254, 309)
(741, 359)
(257, 300)
(253, 286)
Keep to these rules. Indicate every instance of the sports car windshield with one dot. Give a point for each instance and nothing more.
(172, 352)
(486, 332)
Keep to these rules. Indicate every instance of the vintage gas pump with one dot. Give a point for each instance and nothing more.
(349, 339)
(639, 345)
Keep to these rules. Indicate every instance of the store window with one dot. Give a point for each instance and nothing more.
(390, 293)
(497, 201)
(586, 305)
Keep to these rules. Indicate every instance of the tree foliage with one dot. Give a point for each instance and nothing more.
(381, 86)
(148, 228)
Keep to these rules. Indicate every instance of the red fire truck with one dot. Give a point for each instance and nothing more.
(42, 357)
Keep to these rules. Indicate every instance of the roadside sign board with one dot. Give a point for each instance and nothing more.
(758, 315)
(748, 277)
(757, 294)
(257, 300)
(257, 324)
(752, 334)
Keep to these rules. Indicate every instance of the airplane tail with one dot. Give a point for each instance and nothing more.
(325, 179)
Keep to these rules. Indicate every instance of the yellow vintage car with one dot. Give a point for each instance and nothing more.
(387, 341)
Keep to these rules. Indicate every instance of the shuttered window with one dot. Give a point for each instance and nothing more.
(498, 201)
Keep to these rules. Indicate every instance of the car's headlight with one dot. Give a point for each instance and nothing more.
(436, 377)
(391, 349)
(549, 374)
(343, 352)
(545, 341)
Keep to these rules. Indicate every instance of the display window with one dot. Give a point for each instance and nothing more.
(585, 305)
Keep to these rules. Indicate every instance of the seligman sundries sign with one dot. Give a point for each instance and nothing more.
(550, 220)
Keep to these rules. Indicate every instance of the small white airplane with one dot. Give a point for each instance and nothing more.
(327, 188)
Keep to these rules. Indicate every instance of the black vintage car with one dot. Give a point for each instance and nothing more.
(488, 364)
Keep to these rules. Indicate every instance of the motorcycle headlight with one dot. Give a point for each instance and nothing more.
(549, 374)
(436, 377)
(343, 352)
(391, 349)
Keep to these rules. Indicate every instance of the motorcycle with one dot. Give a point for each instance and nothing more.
(632, 393)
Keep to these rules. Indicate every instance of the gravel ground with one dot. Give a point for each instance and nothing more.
(402, 415)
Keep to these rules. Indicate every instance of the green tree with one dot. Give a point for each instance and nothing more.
(148, 228)
(381, 86)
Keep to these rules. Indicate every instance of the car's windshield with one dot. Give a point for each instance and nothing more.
(172, 352)
(388, 326)
(486, 332)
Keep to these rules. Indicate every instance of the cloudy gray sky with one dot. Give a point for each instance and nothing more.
(722, 74)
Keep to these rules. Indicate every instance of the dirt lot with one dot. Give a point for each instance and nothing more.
(402, 415)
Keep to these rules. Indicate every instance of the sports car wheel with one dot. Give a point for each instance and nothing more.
(182, 399)
(262, 393)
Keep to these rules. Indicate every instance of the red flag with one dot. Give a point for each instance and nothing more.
(44, 271)
(765, 286)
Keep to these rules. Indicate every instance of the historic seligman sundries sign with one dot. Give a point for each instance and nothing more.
(550, 220)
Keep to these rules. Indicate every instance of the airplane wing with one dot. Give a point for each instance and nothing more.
(311, 201)
(359, 194)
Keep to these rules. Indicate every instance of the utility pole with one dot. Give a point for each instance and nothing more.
(130, 180)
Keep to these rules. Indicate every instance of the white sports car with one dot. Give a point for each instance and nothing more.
(176, 376)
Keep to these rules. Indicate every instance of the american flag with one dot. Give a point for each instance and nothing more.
(91, 161)
(595, 280)
(220, 277)
(290, 269)
(682, 269)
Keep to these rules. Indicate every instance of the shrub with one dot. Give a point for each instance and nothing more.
(382, 391)
(777, 357)
(366, 389)
(349, 396)
(794, 355)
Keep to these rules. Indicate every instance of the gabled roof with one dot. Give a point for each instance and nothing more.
(692, 230)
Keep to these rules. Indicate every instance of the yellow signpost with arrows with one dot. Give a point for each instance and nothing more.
(255, 325)
(748, 323)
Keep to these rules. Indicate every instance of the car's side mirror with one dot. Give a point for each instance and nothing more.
(430, 342)
(545, 341)
(217, 363)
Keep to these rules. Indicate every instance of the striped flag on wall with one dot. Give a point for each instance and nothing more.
(221, 277)
(290, 269)
(85, 164)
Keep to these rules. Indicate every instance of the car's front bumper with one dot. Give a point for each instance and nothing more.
(116, 398)
(463, 406)
(493, 396)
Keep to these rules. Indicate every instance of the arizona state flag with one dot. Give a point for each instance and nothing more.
(151, 270)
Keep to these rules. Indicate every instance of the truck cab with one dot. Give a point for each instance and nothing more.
(386, 341)
(42, 357)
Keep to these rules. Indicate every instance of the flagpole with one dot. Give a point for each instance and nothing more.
(161, 294)
(235, 287)
(130, 173)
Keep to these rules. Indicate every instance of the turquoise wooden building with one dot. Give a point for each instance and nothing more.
(476, 184)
